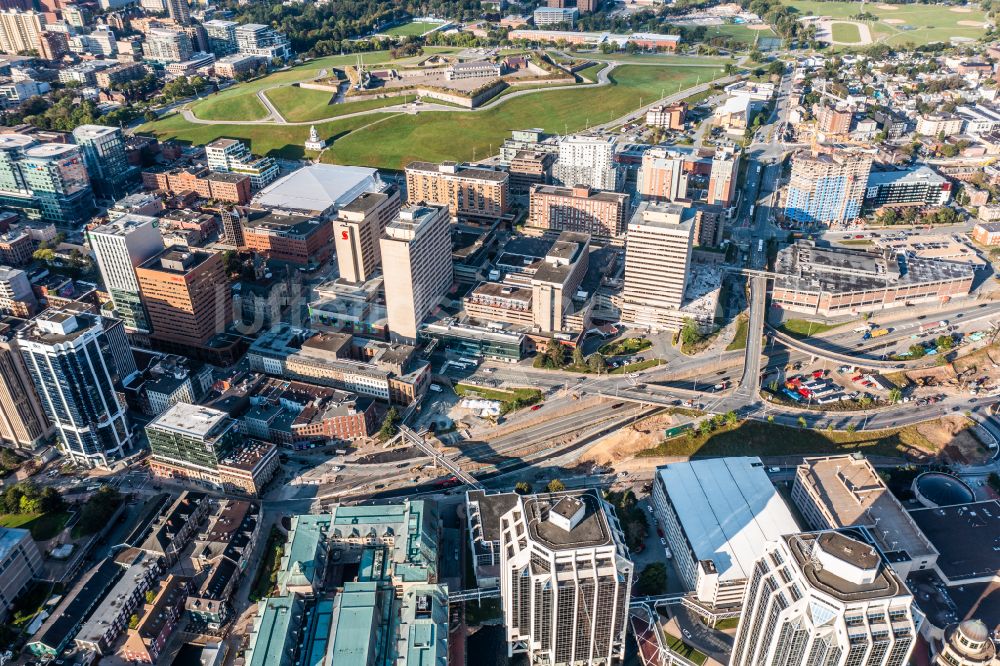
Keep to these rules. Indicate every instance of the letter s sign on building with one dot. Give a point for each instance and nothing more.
(343, 234)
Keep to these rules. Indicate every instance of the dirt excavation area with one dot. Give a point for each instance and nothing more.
(629, 441)
(955, 436)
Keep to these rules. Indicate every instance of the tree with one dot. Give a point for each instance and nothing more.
(150, 596)
(895, 395)
(578, 358)
(555, 486)
(770, 418)
(596, 363)
(652, 579)
(731, 418)
(51, 501)
(917, 351)
(97, 511)
(553, 355)
(689, 332)
(45, 254)
(389, 425)
(945, 342)
(133, 621)
(802, 422)
(149, 116)
(522, 488)
(851, 427)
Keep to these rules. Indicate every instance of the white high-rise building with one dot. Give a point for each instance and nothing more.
(662, 176)
(167, 46)
(71, 361)
(825, 599)
(119, 247)
(657, 262)
(417, 267)
(587, 160)
(564, 577)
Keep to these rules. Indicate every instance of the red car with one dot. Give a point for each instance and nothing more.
(535, 408)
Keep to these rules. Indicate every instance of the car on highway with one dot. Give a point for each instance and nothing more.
(535, 408)
(663, 542)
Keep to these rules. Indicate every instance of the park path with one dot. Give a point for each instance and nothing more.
(275, 117)
(603, 79)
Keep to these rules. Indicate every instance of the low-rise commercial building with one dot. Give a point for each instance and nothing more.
(987, 233)
(296, 239)
(668, 116)
(157, 620)
(392, 373)
(225, 187)
(847, 491)
(832, 281)
(528, 168)
(110, 619)
(202, 444)
(718, 515)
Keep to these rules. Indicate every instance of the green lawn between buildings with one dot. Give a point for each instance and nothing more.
(43, 526)
(393, 140)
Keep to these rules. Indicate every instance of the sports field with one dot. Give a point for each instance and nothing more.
(846, 33)
(412, 29)
(392, 140)
(899, 24)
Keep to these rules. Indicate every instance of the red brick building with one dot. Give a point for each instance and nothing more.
(297, 239)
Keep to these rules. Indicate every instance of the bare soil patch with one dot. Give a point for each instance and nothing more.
(893, 21)
(955, 437)
(960, 10)
(627, 442)
(887, 8)
(971, 24)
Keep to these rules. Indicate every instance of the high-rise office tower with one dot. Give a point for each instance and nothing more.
(357, 229)
(120, 247)
(722, 179)
(73, 372)
(56, 175)
(828, 186)
(565, 578)
(587, 160)
(179, 11)
(417, 265)
(657, 260)
(23, 424)
(662, 176)
(20, 30)
(104, 152)
(52, 45)
(825, 599)
(187, 296)
(48, 181)
(16, 295)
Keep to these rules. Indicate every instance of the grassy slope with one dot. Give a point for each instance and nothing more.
(224, 105)
(753, 438)
(431, 136)
(932, 23)
(278, 140)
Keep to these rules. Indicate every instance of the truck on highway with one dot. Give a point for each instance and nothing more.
(933, 326)
(760, 245)
(879, 332)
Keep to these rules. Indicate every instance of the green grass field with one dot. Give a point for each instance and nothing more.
(921, 24)
(392, 140)
(277, 140)
(232, 104)
(846, 32)
(412, 29)
(740, 32)
(431, 136)
(43, 526)
(239, 102)
(803, 328)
